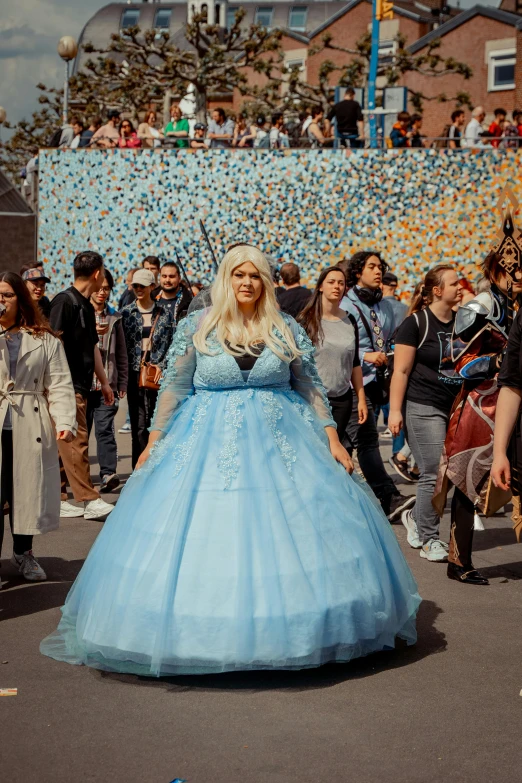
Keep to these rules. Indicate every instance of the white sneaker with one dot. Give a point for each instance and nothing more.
(411, 529)
(68, 510)
(434, 550)
(97, 509)
(29, 567)
(125, 428)
(477, 522)
(387, 433)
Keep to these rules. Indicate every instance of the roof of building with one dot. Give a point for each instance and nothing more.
(10, 199)
(320, 15)
(478, 10)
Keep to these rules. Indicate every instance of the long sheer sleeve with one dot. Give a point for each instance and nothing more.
(305, 379)
(177, 382)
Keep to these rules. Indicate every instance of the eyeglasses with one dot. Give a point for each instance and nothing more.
(7, 296)
(106, 289)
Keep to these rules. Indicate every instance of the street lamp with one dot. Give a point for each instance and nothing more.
(3, 117)
(67, 49)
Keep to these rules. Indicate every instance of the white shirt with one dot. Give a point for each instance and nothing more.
(471, 136)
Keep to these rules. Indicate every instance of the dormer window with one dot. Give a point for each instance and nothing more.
(162, 19)
(129, 18)
(264, 16)
(297, 18)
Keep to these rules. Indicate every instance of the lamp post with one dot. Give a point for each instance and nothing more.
(3, 117)
(67, 49)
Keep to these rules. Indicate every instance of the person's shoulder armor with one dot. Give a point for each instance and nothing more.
(481, 306)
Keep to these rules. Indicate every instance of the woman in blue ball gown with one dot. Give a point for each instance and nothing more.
(241, 541)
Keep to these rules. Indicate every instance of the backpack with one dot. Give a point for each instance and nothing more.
(54, 141)
(443, 142)
(264, 142)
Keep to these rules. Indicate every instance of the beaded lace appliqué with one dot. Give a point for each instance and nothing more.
(273, 411)
(181, 453)
(228, 462)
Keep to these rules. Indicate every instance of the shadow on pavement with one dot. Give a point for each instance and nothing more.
(38, 596)
(430, 641)
(493, 537)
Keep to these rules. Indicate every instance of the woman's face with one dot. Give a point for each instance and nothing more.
(126, 129)
(10, 301)
(501, 281)
(151, 119)
(36, 288)
(332, 287)
(450, 291)
(246, 283)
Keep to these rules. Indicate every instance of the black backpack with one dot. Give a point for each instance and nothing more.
(54, 141)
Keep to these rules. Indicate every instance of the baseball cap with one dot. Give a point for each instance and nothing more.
(199, 126)
(35, 274)
(389, 278)
(143, 277)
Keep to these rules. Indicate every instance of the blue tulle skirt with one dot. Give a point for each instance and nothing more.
(240, 545)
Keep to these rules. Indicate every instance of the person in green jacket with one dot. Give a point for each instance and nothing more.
(178, 127)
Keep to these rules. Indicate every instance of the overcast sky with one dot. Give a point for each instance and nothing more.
(29, 33)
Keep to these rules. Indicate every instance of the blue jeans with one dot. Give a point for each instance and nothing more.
(426, 431)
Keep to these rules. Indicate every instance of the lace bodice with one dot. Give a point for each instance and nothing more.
(189, 371)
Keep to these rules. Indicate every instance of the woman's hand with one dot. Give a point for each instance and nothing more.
(501, 472)
(65, 435)
(362, 409)
(145, 454)
(340, 454)
(395, 422)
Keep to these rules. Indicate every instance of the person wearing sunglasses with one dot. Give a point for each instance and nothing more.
(148, 326)
(128, 136)
(37, 408)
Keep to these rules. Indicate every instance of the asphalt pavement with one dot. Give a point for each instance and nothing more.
(447, 709)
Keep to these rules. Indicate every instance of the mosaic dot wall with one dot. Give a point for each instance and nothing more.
(313, 207)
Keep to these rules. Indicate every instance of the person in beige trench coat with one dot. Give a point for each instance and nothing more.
(41, 403)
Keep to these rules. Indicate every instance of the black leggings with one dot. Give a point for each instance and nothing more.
(461, 537)
(341, 412)
(21, 544)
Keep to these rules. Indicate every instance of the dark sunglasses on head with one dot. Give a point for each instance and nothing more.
(138, 285)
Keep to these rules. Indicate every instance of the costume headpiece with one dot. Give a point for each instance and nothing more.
(508, 244)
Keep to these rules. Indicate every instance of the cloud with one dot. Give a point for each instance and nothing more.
(28, 49)
(23, 42)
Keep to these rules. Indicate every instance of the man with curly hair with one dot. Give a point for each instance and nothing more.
(376, 323)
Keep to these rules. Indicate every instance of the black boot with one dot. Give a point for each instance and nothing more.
(469, 576)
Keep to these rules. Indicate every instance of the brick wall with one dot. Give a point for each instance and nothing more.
(466, 43)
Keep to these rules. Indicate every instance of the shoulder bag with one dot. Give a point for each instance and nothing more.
(150, 374)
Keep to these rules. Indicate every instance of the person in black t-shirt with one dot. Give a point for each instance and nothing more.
(425, 384)
(350, 120)
(295, 296)
(72, 315)
(173, 295)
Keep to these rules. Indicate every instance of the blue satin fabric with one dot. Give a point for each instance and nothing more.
(241, 544)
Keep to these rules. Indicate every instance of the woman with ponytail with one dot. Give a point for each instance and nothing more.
(423, 388)
(335, 336)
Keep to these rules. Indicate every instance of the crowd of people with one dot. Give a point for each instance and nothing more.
(348, 349)
(343, 124)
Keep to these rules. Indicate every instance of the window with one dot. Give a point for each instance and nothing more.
(501, 70)
(231, 16)
(297, 17)
(387, 50)
(129, 18)
(264, 16)
(162, 19)
(295, 64)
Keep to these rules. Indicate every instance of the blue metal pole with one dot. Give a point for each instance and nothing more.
(372, 80)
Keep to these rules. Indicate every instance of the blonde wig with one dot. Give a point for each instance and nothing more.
(226, 318)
